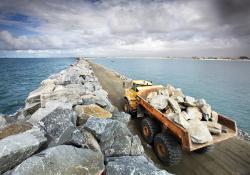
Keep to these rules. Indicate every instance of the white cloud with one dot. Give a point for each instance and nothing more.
(162, 28)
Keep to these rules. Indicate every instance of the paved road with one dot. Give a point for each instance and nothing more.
(229, 157)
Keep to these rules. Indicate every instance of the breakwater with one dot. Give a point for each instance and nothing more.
(69, 126)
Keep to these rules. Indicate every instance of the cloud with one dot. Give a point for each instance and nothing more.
(119, 27)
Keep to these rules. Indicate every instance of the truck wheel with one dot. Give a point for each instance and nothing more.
(127, 107)
(149, 129)
(167, 149)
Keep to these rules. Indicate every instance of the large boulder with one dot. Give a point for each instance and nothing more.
(159, 101)
(181, 120)
(214, 117)
(214, 128)
(174, 104)
(199, 132)
(115, 138)
(189, 101)
(60, 127)
(121, 116)
(89, 140)
(206, 111)
(63, 160)
(86, 111)
(194, 113)
(132, 165)
(16, 148)
(14, 128)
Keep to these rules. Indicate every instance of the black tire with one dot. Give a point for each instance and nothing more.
(167, 149)
(149, 128)
(127, 108)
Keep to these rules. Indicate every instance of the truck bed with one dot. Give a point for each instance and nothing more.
(181, 133)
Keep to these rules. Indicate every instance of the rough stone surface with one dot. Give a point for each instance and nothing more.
(175, 106)
(199, 132)
(115, 138)
(200, 103)
(180, 119)
(121, 116)
(89, 140)
(86, 111)
(59, 126)
(63, 160)
(2, 122)
(151, 95)
(14, 128)
(194, 113)
(136, 165)
(170, 89)
(214, 117)
(159, 101)
(16, 148)
(164, 92)
(189, 101)
(206, 111)
(214, 128)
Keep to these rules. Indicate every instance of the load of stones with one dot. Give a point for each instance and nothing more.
(68, 126)
(196, 116)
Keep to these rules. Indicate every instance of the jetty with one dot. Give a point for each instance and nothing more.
(74, 124)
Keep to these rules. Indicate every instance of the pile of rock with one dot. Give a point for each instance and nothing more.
(71, 128)
(196, 116)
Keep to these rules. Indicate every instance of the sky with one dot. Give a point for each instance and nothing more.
(124, 28)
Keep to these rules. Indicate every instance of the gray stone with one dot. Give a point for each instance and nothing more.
(59, 126)
(199, 132)
(89, 140)
(16, 148)
(63, 160)
(115, 138)
(136, 165)
(194, 113)
(2, 122)
(121, 116)
(175, 106)
(159, 101)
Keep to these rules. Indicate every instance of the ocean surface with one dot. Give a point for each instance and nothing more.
(19, 76)
(224, 84)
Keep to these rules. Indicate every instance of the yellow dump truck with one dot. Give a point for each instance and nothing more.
(167, 137)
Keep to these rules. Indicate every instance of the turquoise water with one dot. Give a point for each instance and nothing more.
(224, 84)
(19, 76)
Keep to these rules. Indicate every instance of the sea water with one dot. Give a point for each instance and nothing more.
(224, 84)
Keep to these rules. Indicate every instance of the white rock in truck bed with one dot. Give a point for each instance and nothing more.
(16, 148)
(151, 95)
(189, 101)
(206, 111)
(180, 119)
(164, 92)
(175, 106)
(63, 160)
(170, 89)
(159, 101)
(199, 132)
(214, 128)
(214, 117)
(194, 113)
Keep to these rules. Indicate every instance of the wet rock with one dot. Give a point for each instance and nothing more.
(63, 160)
(180, 119)
(132, 165)
(206, 112)
(194, 113)
(59, 126)
(2, 122)
(86, 111)
(175, 106)
(159, 102)
(214, 128)
(121, 116)
(199, 132)
(189, 101)
(89, 140)
(16, 148)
